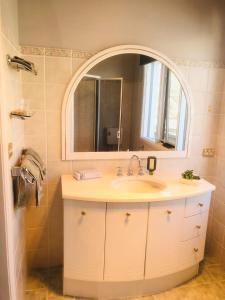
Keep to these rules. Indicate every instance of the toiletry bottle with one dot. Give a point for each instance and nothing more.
(151, 164)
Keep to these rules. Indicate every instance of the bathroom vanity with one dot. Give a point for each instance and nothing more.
(132, 236)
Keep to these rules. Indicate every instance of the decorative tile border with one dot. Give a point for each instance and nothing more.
(28, 50)
(60, 52)
(81, 54)
(56, 52)
(199, 64)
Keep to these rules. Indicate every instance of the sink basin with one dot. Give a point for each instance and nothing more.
(138, 185)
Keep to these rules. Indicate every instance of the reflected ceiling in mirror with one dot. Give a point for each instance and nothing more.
(129, 102)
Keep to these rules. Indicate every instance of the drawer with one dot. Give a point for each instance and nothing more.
(194, 226)
(191, 252)
(197, 205)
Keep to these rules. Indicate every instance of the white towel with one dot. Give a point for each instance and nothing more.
(87, 174)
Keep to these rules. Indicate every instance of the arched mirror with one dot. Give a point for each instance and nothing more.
(124, 99)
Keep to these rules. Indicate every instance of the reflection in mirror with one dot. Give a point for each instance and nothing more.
(129, 102)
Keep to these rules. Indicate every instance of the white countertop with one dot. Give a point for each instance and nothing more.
(102, 190)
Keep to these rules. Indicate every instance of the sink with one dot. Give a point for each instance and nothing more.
(138, 185)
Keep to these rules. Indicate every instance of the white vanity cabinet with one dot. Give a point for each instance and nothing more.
(128, 247)
(164, 232)
(126, 228)
(176, 235)
(84, 240)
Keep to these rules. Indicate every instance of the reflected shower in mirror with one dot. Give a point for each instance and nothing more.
(129, 102)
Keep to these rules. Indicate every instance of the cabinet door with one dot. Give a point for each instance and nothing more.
(126, 229)
(84, 237)
(164, 231)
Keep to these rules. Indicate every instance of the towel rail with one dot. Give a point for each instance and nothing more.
(24, 173)
(21, 64)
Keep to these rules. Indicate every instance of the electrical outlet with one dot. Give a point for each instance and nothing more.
(10, 150)
(208, 152)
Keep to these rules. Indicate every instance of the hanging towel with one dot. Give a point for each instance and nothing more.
(34, 168)
(20, 187)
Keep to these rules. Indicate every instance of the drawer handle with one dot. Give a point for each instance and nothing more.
(198, 226)
(169, 212)
(83, 213)
(201, 204)
(195, 249)
(128, 214)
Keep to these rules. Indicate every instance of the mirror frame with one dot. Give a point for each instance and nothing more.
(67, 154)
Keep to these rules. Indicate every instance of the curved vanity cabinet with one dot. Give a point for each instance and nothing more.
(84, 240)
(125, 243)
(119, 248)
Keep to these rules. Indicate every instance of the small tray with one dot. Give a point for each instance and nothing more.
(190, 181)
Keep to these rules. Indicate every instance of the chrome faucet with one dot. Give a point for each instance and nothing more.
(130, 171)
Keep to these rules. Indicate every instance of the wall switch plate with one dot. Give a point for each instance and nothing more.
(208, 152)
(10, 150)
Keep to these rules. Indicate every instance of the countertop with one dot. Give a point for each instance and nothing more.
(102, 189)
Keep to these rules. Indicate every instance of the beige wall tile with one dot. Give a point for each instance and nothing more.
(218, 231)
(56, 169)
(77, 63)
(36, 124)
(219, 212)
(198, 79)
(37, 217)
(54, 148)
(38, 258)
(216, 80)
(54, 96)
(54, 195)
(33, 94)
(37, 238)
(53, 123)
(58, 69)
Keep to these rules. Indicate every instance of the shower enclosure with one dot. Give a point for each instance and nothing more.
(97, 114)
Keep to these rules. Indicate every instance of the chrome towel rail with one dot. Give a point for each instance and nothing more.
(21, 64)
(24, 173)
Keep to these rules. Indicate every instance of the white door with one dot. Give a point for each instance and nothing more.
(164, 231)
(126, 229)
(84, 238)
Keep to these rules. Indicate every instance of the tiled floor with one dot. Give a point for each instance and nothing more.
(208, 285)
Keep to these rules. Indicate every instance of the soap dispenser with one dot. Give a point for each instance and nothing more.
(151, 164)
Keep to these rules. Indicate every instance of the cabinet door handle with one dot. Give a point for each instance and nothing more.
(169, 212)
(201, 204)
(195, 249)
(83, 213)
(198, 226)
(128, 214)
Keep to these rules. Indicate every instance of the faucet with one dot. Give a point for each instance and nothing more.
(130, 171)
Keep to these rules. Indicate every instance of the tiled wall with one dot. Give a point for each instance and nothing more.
(216, 240)
(42, 132)
(13, 133)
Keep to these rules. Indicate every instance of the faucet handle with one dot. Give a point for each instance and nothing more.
(119, 171)
(130, 172)
(141, 171)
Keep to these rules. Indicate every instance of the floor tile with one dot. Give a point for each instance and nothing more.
(217, 272)
(208, 285)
